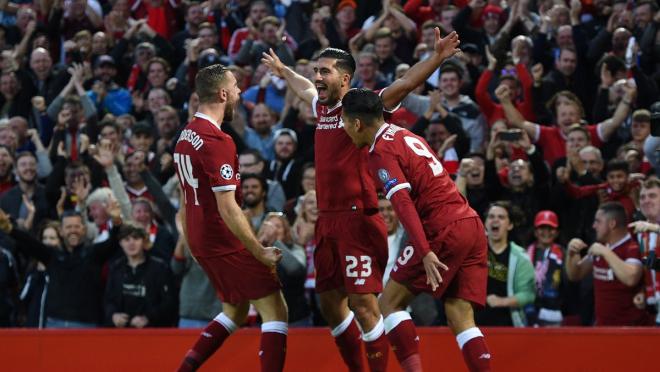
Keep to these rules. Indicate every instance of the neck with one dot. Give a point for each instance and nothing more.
(258, 209)
(616, 235)
(137, 185)
(498, 246)
(26, 187)
(134, 261)
(6, 178)
(370, 132)
(543, 245)
(453, 101)
(215, 111)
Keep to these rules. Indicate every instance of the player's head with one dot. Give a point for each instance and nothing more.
(332, 74)
(216, 84)
(362, 114)
(610, 217)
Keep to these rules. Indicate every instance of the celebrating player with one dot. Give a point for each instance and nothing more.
(351, 251)
(218, 233)
(446, 234)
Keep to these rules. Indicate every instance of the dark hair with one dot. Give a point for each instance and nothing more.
(651, 182)
(581, 129)
(258, 158)
(617, 165)
(476, 155)
(616, 212)
(258, 177)
(345, 61)
(129, 229)
(23, 154)
(72, 100)
(451, 67)
(516, 215)
(71, 213)
(614, 64)
(208, 82)
(364, 104)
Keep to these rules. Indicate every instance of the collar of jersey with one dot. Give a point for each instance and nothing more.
(380, 131)
(620, 242)
(333, 108)
(207, 118)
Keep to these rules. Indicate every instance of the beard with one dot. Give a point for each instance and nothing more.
(229, 111)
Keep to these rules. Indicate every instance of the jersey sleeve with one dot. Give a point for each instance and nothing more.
(218, 159)
(387, 173)
(632, 255)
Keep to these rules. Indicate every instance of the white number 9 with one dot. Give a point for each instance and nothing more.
(406, 255)
(420, 149)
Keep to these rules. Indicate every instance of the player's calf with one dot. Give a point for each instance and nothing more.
(399, 327)
(210, 340)
(460, 318)
(365, 307)
(274, 331)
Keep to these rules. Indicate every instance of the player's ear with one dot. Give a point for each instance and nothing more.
(223, 94)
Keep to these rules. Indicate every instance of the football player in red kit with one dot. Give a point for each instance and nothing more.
(218, 233)
(445, 233)
(351, 251)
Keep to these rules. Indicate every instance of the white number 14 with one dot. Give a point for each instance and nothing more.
(184, 166)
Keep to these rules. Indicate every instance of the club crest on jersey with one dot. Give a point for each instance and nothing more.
(226, 171)
(383, 175)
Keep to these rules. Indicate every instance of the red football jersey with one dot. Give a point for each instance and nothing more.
(342, 178)
(613, 299)
(399, 160)
(206, 162)
(553, 142)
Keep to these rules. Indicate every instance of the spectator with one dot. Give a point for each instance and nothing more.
(384, 47)
(510, 273)
(8, 288)
(262, 134)
(368, 75)
(617, 269)
(194, 16)
(161, 241)
(75, 290)
(286, 168)
(26, 202)
(43, 79)
(140, 289)
(491, 16)
(14, 99)
(276, 231)
(106, 93)
(341, 28)
(271, 31)
(470, 181)
(254, 189)
(547, 258)
(6, 169)
(251, 162)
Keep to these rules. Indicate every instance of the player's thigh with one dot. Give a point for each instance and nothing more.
(236, 312)
(271, 307)
(334, 306)
(395, 297)
(459, 313)
(363, 254)
(365, 308)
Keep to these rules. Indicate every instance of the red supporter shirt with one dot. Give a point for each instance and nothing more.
(400, 160)
(342, 178)
(614, 300)
(206, 162)
(553, 141)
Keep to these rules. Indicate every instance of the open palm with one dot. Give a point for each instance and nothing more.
(446, 46)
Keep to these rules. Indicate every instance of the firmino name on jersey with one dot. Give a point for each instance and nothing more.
(191, 136)
(330, 122)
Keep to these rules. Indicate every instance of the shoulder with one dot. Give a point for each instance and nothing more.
(158, 263)
(118, 264)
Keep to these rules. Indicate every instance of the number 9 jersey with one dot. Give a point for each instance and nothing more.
(206, 162)
(400, 160)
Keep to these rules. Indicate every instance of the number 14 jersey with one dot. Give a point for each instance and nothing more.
(206, 162)
(400, 160)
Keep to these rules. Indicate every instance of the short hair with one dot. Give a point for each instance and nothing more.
(364, 104)
(566, 49)
(208, 25)
(614, 64)
(651, 3)
(163, 62)
(651, 182)
(345, 61)
(430, 24)
(373, 57)
(255, 176)
(269, 20)
(257, 155)
(72, 100)
(475, 154)
(168, 109)
(592, 149)
(382, 33)
(516, 215)
(130, 229)
(145, 201)
(552, 103)
(23, 154)
(72, 213)
(208, 82)
(109, 123)
(451, 67)
(617, 165)
(579, 128)
(615, 211)
(102, 194)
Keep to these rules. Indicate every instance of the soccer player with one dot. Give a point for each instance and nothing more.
(351, 252)
(218, 234)
(444, 231)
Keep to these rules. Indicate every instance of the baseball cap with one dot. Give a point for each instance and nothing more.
(105, 60)
(345, 3)
(546, 218)
(470, 48)
(492, 11)
(286, 132)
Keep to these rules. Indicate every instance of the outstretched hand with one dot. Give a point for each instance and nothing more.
(431, 265)
(447, 46)
(273, 62)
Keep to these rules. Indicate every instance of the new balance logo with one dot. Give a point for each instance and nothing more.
(207, 335)
(359, 282)
(417, 338)
(484, 356)
(261, 352)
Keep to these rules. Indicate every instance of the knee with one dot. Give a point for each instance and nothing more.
(386, 306)
(459, 314)
(364, 307)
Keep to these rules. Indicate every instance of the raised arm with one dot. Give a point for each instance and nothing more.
(233, 216)
(304, 88)
(576, 267)
(609, 126)
(417, 74)
(513, 116)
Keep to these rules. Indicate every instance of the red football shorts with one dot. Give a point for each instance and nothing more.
(239, 277)
(351, 251)
(463, 247)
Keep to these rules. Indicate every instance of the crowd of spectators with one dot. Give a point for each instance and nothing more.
(544, 122)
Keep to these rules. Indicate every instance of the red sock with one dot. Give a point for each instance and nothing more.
(377, 347)
(273, 346)
(474, 349)
(211, 338)
(347, 338)
(405, 343)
